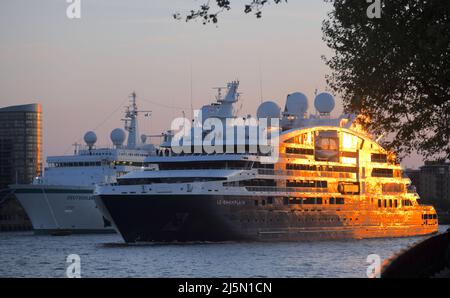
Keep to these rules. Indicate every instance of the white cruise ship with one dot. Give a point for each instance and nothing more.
(61, 201)
(329, 179)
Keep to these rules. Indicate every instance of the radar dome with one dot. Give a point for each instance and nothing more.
(268, 109)
(324, 103)
(296, 103)
(117, 136)
(90, 138)
(143, 138)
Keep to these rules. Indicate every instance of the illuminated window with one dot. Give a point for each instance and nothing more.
(349, 141)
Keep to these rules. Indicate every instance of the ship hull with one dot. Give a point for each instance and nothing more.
(161, 218)
(61, 210)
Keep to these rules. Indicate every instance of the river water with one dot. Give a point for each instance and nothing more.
(23, 254)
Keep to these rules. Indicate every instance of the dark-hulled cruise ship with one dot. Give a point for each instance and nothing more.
(329, 180)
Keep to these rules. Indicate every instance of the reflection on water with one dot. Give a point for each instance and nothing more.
(28, 255)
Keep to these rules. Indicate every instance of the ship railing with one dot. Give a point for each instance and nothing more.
(286, 189)
(306, 173)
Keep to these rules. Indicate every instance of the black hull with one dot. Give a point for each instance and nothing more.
(168, 218)
(183, 218)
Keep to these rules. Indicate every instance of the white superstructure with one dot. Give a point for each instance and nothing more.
(61, 201)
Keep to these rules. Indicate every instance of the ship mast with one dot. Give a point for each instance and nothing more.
(131, 123)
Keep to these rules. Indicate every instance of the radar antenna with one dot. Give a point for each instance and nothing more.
(131, 123)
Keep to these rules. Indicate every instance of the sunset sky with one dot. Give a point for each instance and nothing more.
(83, 70)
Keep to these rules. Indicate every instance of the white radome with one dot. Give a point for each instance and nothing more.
(90, 138)
(324, 103)
(296, 104)
(117, 136)
(268, 109)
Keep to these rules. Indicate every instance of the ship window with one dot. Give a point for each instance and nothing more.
(270, 200)
(258, 182)
(256, 202)
(295, 201)
(263, 202)
(304, 139)
(378, 172)
(332, 200)
(406, 203)
(392, 187)
(395, 203)
(258, 165)
(340, 201)
(309, 200)
(378, 157)
(315, 184)
(384, 203)
(379, 203)
(286, 201)
(349, 141)
(291, 150)
(390, 203)
(327, 146)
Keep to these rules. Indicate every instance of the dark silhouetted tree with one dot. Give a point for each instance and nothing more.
(395, 70)
(209, 12)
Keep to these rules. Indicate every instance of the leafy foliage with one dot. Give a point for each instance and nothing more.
(394, 70)
(206, 14)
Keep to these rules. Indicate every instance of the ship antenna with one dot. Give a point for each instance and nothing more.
(260, 82)
(131, 122)
(192, 109)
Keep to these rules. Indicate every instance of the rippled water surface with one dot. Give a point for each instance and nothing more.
(27, 255)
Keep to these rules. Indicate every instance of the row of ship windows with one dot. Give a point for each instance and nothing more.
(429, 216)
(302, 201)
(334, 201)
(94, 163)
(393, 203)
(376, 172)
(312, 201)
(304, 167)
(302, 219)
(272, 183)
(375, 157)
(110, 154)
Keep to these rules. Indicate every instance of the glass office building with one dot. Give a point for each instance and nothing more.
(20, 158)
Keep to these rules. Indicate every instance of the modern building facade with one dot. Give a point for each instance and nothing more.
(20, 158)
(432, 182)
(435, 182)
